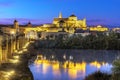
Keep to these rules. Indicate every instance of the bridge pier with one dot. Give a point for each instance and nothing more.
(0, 53)
(9, 44)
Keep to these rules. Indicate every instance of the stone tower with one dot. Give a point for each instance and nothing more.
(29, 24)
(16, 25)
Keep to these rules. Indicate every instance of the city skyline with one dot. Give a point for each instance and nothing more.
(43, 11)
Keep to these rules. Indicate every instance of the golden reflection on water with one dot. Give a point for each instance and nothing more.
(73, 69)
(56, 69)
(45, 68)
(97, 64)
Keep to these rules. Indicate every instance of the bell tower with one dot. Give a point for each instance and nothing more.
(29, 24)
(16, 25)
(60, 15)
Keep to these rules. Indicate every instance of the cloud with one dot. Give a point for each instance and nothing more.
(21, 21)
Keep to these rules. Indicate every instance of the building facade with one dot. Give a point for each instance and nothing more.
(99, 28)
(70, 22)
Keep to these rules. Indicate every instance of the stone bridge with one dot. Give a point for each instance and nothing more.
(10, 44)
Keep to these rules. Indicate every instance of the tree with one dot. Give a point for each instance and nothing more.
(116, 70)
(98, 76)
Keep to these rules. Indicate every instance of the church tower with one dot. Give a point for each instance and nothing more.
(29, 24)
(16, 25)
(60, 15)
(84, 22)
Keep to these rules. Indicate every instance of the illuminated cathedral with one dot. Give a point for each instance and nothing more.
(59, 26)
(72, 21)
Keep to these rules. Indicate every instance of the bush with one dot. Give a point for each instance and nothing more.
(98, 76)
(116, 70)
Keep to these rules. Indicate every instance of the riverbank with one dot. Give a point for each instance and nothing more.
(17, 67)
(54, 44)
(95, 42)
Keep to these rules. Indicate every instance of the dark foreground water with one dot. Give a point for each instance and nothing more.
(71, 64)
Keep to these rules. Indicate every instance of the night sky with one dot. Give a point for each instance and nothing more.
(104, 12)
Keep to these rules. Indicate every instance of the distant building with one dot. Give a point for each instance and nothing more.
(16, 29)
(82, 32)
(117, 30)
(72, 21)
(99, 28)
(52, 35)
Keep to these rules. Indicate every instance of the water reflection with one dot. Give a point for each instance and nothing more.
(66, 67)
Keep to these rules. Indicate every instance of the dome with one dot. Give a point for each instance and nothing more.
(72, 15)
(15, 20)
(29, 22)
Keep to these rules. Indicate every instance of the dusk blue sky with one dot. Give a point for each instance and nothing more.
(104, 12)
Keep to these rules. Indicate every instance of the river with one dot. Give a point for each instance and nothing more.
(71, 64)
